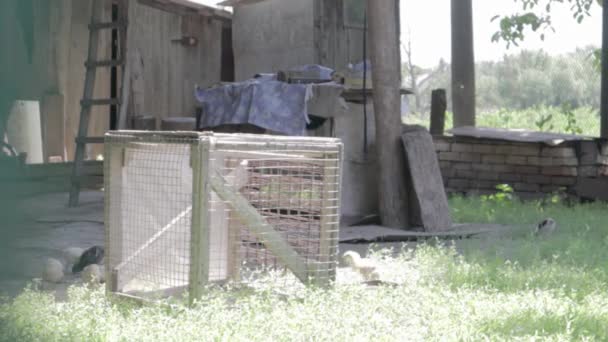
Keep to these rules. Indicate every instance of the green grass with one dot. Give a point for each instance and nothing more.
(504, 287)
(587, 120)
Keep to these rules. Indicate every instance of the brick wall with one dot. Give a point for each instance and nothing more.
(532, 169)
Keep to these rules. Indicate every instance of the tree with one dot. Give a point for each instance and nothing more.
(512, 30)
(536, 16)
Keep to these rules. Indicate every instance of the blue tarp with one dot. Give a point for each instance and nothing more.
(264, 102)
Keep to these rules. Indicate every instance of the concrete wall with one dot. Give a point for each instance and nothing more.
(272, 35)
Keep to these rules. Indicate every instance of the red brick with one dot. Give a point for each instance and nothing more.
(602, 160)
(484, 184)
(462, 166)
(509, 177)
(465, 174)
(560, 152)
(605, 149)
(493, 159)
(442, 146)
(519, 150)
(503, 168)
(483, 167)
(449, 156)
(550, 188)
(560, 171)
(516, 160)
(469, 157)
(537, 179)
(588, 171)
(488, 149)
(458, 183)
(565, 161)
(445, 164)
(459, 147)
(540, 161)
(528, 170)
(526, 187)
(563, 180)
(588, 152)
(487, 175)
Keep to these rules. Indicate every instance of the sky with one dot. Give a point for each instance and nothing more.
(428, 25)
(430, 33)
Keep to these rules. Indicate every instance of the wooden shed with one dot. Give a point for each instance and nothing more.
(45, 47)
(296, 32)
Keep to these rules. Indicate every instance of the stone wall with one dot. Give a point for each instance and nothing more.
(471, 165)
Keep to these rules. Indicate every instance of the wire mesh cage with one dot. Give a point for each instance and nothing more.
(184, 210)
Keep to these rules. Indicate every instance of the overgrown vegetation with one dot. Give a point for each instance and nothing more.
(530, 90)
(507, 286)
(583, 120)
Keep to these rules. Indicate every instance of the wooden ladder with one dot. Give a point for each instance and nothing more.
(92, 64)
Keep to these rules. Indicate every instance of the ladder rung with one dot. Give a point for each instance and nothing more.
(99, 64)
(100, 102)
(108, 25)
(89, 140)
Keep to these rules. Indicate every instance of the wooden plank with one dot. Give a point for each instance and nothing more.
(113, 215)
(261, 228)
(330, 222)
(52, 112)
(199, 235)
(426, 180)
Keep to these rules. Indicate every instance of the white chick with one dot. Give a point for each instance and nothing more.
(546, 227)
(72, 255)
(366, 267)
(92, 274)
(53, 271)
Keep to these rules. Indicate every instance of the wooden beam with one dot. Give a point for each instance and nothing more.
(604, 95)
(260, 228)
(184, 8)
(463, 64)
(438, 107)
(386, 77)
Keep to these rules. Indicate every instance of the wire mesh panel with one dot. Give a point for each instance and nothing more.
(187, 209)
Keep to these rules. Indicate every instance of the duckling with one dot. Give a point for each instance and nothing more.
(92, 274)
(365, 267)
(53, 271)
(545, 227)
(93, 255)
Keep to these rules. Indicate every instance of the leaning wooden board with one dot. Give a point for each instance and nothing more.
(426, 180)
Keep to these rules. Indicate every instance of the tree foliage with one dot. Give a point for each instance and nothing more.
(521, 81)
(536, 16)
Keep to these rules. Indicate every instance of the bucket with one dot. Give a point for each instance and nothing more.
(24, 131)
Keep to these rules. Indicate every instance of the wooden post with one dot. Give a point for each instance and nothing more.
(463, 64)
(199, 236)
(604, 96)
(438, 108)
(386, 76)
